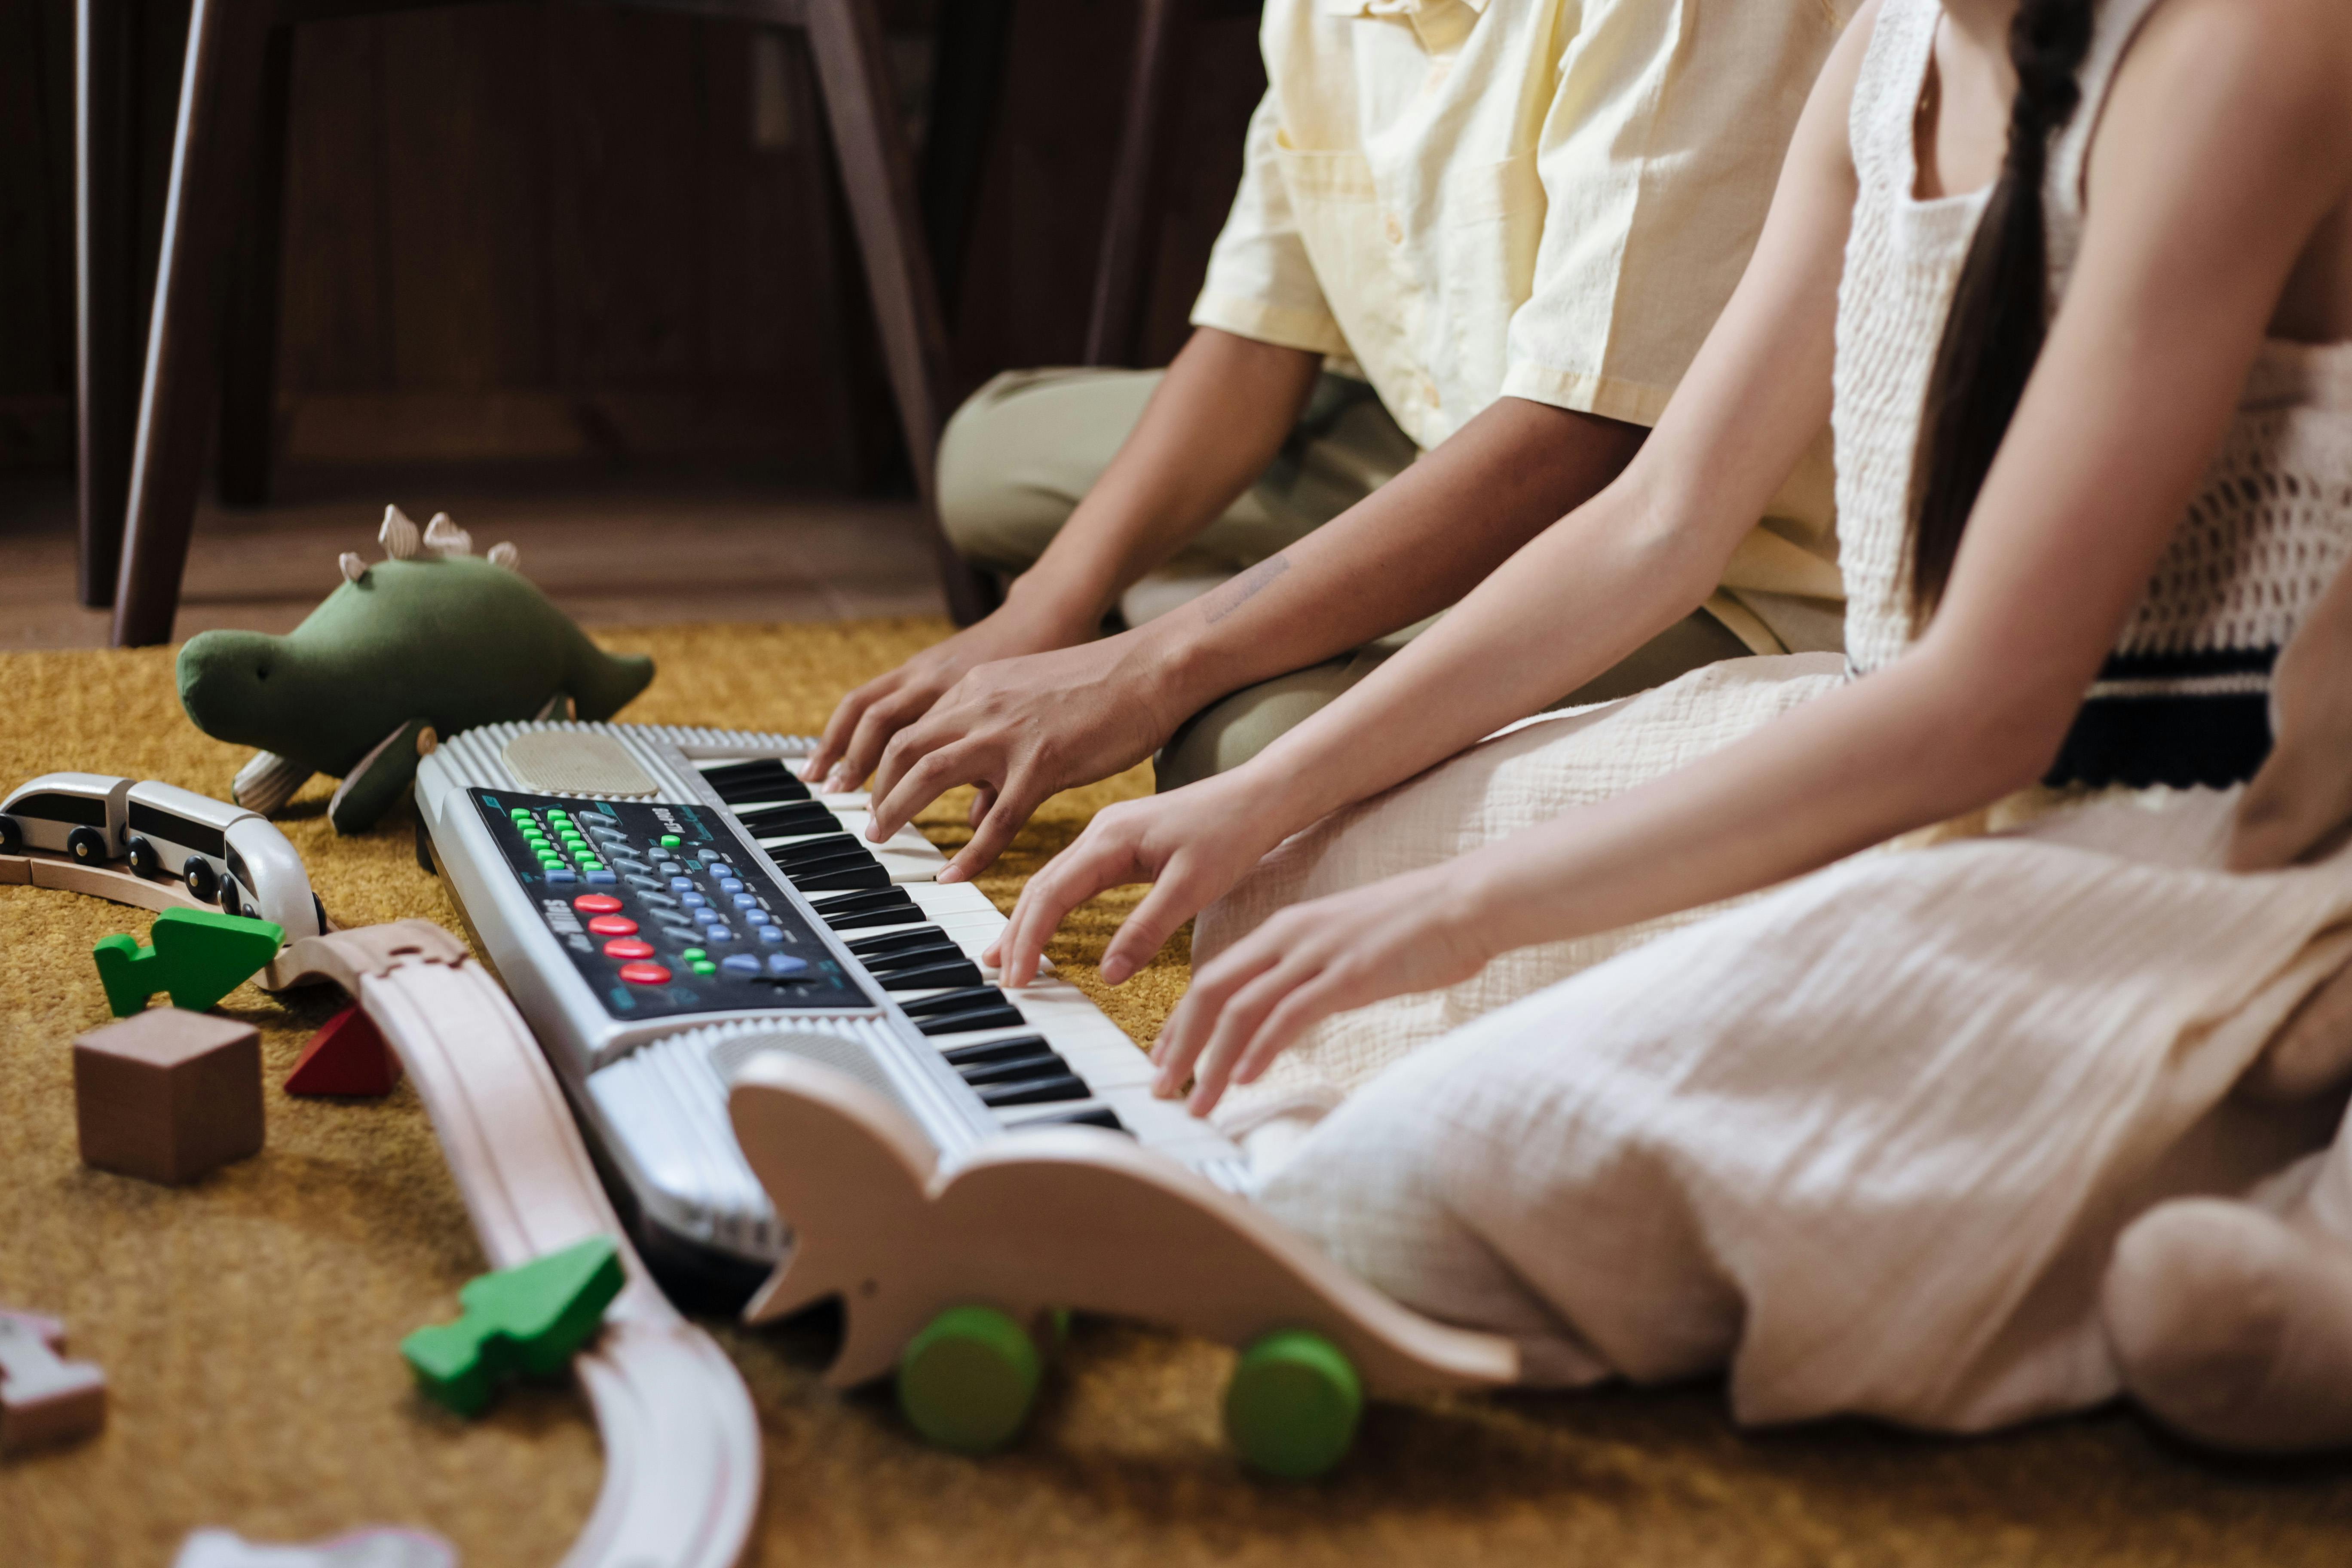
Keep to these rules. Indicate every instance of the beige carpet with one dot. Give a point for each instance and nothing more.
(248, 1324)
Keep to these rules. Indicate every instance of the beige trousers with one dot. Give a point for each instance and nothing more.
(1021, 452)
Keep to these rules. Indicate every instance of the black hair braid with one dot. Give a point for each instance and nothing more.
(2000, 308)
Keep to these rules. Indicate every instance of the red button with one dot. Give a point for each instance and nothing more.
(597, 904)
(628, 947)
(613, 925)
(645, 974)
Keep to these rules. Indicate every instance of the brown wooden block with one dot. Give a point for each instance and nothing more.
(44, 1398)
(167, 1095)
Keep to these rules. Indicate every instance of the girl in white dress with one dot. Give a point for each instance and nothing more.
(1871, 1139)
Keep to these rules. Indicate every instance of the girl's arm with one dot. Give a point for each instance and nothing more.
(2227, 141)
(1593, 588)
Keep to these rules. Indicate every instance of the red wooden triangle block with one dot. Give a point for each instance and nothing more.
(345, 1056)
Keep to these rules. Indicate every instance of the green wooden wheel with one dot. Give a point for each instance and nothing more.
(967, 1379)
(1292, 1406)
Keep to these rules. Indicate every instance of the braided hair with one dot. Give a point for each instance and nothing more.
(2000, 308)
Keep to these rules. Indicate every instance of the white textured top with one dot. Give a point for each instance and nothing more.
(2275, 518)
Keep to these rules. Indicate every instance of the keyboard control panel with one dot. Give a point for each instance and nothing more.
(657, 911)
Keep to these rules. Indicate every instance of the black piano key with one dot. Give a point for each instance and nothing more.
(1093, 1116)
(807, 849)
(1040, 1091)
(998, 1016)
(881, 917)
(872, 947)
(843, 874)
(787, 821)
(739, 784)
(921, 957)
(956, 1001)
(1020, 1069)
(862, 903)
(995, 1051)
(962, 972)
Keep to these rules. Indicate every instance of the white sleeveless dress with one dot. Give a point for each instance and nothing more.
(1867, 1140)
(2182, 702)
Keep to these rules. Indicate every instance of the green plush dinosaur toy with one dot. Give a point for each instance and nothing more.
(427, 641)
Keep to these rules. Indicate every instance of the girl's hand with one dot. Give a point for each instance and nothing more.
(1193, 843)
(1414, 932)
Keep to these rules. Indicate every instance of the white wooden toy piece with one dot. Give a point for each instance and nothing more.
(1049, 1218)
(682, 1467)
(44, 1398)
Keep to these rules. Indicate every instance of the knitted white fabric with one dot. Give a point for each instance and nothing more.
(1903, 260)
(2273, 521)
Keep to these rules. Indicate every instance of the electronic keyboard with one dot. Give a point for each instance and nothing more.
(666, 903)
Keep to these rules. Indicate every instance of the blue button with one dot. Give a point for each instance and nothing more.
(646, 882)
(625, 864)
(740, 963)
(746, 901)
(785, 963)
(561, 874)
(717, 933)
(601, 876)
(692, 900)
(679, 884)
(771, 934)
(669, 868)
(729, 884)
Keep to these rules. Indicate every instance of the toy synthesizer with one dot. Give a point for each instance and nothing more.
(666, 904)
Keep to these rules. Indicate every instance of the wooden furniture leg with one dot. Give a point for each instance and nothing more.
(967, 86)
(845, 38)
(1114, 326)
(212, 164)
(249, 347)
(105, 205)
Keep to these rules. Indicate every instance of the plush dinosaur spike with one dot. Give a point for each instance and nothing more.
(443, 535)
(353, 568)
(506, 555)
(398, 535)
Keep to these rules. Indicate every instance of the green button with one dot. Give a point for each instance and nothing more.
(549, 857)
(520, 814)
(589, 863)
(671, 841)
(694, 954)
(703, 966)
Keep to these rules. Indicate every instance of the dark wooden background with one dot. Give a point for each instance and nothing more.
(566, 230)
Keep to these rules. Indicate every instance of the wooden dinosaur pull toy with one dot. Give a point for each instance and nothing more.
(197, 955)
(529, 1321)
(44, 1398)
(941, 1269)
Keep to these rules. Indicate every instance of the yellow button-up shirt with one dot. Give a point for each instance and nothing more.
(1547, 199)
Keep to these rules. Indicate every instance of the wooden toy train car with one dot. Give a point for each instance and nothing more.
(223, 854)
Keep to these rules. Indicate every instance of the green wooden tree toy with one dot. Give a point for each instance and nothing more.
(529, 1321)
(197, 955)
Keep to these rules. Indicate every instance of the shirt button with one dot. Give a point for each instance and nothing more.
(1395, 229)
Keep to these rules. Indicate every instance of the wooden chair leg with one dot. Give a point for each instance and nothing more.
(966, 88)
(845, 38)
(1114, 327)
(249, 349)
(212, 162)
(105, 205)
